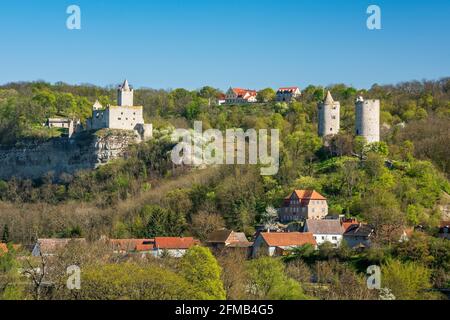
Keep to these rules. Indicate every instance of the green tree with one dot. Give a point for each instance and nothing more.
(202, 271)
(161, 222)
(267, 281)
(407, 281)
(128, 281)
(266, 95)
(5, 234)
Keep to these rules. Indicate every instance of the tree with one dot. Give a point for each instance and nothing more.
(202, 271)
(266, 95)
(267, 280)
(204, 223)
(269, 217)
(163, 222)
(407, 281)
(5, 235)
(129, 281)
(382, 211)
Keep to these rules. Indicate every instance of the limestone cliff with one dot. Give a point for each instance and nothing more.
(88, 150)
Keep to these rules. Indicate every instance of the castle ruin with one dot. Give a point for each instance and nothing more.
(329, 116)
(124, 116)
(367, 122)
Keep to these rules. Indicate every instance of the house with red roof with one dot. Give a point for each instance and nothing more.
(326, 230)
(124, 246)
(240, 96)
(287, 94)
(303, 205)
(173, 246)
(280, 243)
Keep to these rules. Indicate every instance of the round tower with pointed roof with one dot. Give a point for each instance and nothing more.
(368, 119)
(329, 116)
(125, 95)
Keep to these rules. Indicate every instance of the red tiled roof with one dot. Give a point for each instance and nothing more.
(305, 196)
(286, 239)
(174, 243)
(290, 89)
(346, 224)
(243, 92)
(132, 244)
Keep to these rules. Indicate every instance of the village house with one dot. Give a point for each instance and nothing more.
(49, 247)
(240, 96)
(224, 238)
(288, 94)
(302, 205)
(359, 236)
(124, 246)
(347, 223)
(221, 99)
(173, 246)
(280, 243)
(229, 240)
(325, 231)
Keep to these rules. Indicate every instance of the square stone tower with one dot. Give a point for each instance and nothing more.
(125, 95)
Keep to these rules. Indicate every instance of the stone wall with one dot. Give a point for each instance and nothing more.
(86, 151)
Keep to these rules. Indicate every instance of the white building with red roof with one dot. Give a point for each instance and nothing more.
(287, 94)
(240, 96)
(302, 205)
(279, 243)
(173, 246)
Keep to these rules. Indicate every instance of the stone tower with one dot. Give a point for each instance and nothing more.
(368, 119)
(329, 116)
(125, 95)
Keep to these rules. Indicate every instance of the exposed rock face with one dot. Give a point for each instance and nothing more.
(32, 160)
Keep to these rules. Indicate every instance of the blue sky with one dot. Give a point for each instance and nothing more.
(247, 43)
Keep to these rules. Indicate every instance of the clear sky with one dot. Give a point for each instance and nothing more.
(243, 43)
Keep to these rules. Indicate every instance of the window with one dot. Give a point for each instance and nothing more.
(119, 118)
(323, 238)
(334, 238)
